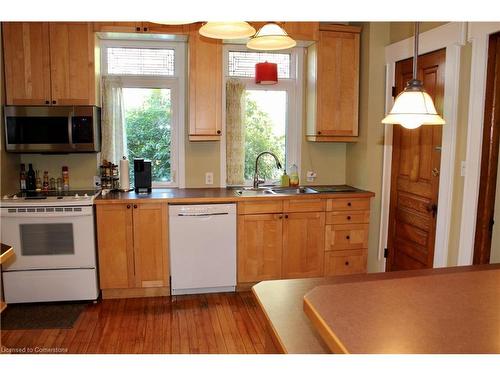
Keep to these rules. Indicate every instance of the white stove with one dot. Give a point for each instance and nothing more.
(53, 237)
(50, 198)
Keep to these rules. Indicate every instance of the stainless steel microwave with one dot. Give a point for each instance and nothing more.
(61, 129)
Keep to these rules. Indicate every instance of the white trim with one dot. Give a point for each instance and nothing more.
(452, 37)
(478, 35)
(177, 84)
(294, 89)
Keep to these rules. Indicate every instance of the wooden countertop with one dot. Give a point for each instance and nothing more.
(433, 314)
(213, 195)
(282, 302)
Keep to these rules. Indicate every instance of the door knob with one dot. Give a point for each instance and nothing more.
(432, 207)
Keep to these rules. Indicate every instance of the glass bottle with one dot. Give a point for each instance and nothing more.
(31, 180)
(45, 181)
(65, 178)
(22, 178)
(294, 175)
(38, 181)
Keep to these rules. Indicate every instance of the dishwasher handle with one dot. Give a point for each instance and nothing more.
(203, 215)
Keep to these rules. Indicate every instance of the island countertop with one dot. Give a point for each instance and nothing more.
(289, 328)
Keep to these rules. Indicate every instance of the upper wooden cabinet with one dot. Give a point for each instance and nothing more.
(333, 85)
(140, 27)
(205, 87)
(49, 63)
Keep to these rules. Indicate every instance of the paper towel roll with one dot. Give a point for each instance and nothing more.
(124, 174)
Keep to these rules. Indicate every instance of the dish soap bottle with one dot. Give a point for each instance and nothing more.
(294, 175)
(285, 179)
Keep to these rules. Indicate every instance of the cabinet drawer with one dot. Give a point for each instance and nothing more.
(347, 217)
(304, 205)
(346, 236)
(267, 207)
(345, 262)
(347, 204)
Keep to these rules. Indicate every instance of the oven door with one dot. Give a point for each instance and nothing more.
(49, 237)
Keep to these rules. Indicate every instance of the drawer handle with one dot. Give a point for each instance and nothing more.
(349, 204)
(347, 237)
(346, 263)
(348, 218)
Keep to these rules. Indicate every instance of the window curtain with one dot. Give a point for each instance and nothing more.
(114, 141)
(235, 133)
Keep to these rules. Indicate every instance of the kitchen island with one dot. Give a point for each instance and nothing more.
(290, 330)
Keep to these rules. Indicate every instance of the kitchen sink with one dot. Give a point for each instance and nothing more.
(293, 190)
(251, 192)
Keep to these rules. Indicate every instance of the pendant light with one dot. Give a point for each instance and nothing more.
(413, 107)
(271, 37)
(227, 30)
(266, 73)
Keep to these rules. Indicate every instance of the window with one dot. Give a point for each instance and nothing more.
(272, 112)
(152, 79)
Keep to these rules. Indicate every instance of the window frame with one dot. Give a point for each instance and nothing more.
(175, 83)
(294, 89)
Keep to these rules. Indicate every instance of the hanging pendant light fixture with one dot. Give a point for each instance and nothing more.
(227, 30)
(413, 107)
(271, 37)
(266, 73)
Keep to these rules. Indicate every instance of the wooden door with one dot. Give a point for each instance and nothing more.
(27, 63)
(337, 83)
(72, 63)
(489, 158)
(260, 246)
(303, 244)
(205, 87)
(150, 245)
(115, 246)
(416, 158)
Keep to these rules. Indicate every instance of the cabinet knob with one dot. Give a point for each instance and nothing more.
(54, 102)
(348, 218)
(137, 29)
(280, 217)
(347, 237)
(128, 205)
(349, 204)
(47, 102)
(319, 133)
(286, 216)
(145, 29)
(346, 263)
(135, 206)
(219, 132)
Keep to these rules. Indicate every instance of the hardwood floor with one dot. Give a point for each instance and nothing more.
(209, 323)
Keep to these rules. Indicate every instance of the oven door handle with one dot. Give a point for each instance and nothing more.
(19, 215)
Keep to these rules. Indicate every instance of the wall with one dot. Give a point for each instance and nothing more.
(403, 30)
(9, 163)
(364, 159)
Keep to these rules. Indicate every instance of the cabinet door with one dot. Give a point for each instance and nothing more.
(150, 245)
(115, 246)
(205, 87)
(303, 244)
(27, 63)
(302, 30)
(260, 244)
(337, 84)
(72, 63)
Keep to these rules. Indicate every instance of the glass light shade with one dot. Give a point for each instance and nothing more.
(271, 37)
(412, 108)
(227, 30)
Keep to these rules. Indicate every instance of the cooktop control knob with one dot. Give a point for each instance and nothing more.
(77, 196)
(14, 197)
(85, 195)
(5, 197)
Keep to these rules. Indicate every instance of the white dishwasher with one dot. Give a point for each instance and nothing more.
(202, 248)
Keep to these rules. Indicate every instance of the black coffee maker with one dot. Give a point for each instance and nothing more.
(142, 176)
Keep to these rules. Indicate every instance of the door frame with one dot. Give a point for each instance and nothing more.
(478, 35)
(451, 36)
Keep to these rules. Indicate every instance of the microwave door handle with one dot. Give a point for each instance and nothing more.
(70, 129)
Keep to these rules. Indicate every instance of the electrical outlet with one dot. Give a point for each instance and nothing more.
(97, 182)
(209, 178)
(311, 176)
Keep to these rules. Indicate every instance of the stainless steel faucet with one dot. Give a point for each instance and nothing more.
(256, 180)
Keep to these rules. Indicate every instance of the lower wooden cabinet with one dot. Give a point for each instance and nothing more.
(280, 245)
(345, 262)
(132, 245)
(260, 244)
(303, 240)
